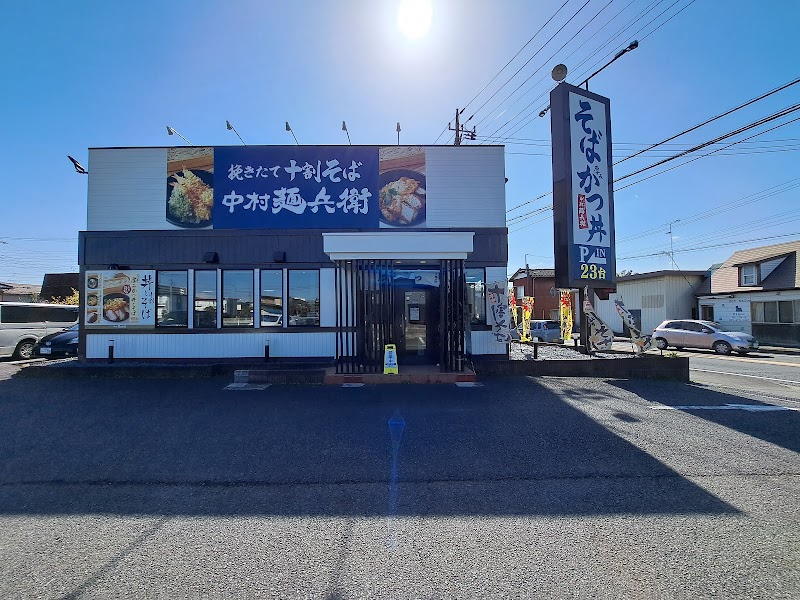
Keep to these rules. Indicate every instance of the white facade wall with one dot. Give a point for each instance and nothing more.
(128, 187)
(211, 345)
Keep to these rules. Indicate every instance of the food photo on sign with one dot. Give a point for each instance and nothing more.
(190, 187)
(403, 193)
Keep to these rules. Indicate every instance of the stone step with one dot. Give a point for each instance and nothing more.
(276, 375)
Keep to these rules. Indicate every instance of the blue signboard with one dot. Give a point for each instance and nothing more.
(296, 187)
(583, 197)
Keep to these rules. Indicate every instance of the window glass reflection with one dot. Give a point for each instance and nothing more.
(172, 298)
(271, 298)
(237, 298)
(205, 299)
(303, 301)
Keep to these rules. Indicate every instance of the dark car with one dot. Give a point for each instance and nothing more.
(57, 345)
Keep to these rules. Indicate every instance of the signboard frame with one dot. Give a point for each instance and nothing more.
(570, 253)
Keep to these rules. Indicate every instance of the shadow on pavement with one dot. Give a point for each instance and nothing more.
(781, 428)
(185, 447)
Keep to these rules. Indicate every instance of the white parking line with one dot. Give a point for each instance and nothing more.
(747, 407)
(743, 375)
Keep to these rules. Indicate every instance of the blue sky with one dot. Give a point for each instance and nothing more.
(93, 74)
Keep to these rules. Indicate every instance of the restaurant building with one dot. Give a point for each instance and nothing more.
(324, 253)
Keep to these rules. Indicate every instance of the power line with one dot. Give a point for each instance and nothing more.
(712, 119)
(612, 39)
(545, 62)
(704, 155)
(711, 212)
(676, 166)
(530, 59)
(720, 245)
(508, 63)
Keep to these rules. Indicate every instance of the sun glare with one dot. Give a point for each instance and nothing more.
(414, 17)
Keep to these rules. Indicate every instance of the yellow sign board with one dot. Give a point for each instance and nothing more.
(390, 360)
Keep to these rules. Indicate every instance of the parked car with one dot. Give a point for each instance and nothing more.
(702, 334)
(546, 331)
(57, 345)
(22, 324)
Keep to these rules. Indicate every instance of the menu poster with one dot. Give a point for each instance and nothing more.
(120, 299)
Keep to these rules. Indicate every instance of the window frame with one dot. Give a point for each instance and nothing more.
(283, 295)
(742, 275)
(289, 299)
(221, 307)
(158, 318)
(476, 325)
(195, 312)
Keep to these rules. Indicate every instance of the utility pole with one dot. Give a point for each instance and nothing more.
(459, 129)
(671, 250)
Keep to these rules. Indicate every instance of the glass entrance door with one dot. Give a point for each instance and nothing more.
(417, 325)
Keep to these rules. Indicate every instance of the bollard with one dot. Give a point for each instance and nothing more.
(535, 351)
(266, 352)
(110, 351)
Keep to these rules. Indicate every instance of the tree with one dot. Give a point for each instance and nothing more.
(72, 300)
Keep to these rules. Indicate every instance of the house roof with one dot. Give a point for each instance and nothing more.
(784, 276)
(60, 285)
(20, 288)
(533, 273)
(657, 274)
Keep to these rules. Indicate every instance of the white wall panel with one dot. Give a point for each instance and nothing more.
(484, 342)
(127, 189)
(327, 297)
(218, 345)
(466, 187)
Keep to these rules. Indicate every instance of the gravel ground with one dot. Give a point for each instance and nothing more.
(525, 352)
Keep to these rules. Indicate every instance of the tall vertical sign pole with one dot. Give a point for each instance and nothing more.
(583, 199)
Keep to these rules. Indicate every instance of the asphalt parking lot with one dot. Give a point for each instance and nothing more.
(518, 488)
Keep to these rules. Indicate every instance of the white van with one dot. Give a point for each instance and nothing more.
(22, 324)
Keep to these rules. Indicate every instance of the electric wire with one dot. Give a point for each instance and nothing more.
(530, 90)
(712, 119)
(508, 63)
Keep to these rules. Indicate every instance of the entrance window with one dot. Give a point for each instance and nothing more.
(271, 298)
(205, 299)
(303, 298)
(173, 298)
(237, 298)
(476, 296)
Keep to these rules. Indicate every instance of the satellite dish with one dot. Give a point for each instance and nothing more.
(559, 72)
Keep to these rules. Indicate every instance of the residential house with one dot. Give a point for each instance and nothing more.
(539, 284)
(758, 291)
(19, 292)
(59, 285)
(652, 298)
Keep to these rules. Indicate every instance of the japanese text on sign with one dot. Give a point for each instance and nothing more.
(591, 186)
(296, 187)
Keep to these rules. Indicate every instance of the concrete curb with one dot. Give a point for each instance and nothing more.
(643, 367)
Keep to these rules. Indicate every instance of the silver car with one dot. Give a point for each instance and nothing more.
(702, 334)
(546, 331)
